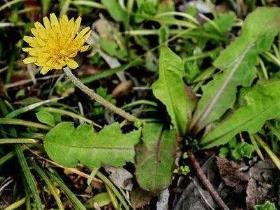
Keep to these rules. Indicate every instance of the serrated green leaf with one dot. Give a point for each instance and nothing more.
(155, 157)
(68, 145)
(237, 63)
(262, 104)
(170, 89)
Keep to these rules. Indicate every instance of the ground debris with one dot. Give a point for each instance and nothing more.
(263, 184)
(140, 198)
(232, 175)
(120, 177)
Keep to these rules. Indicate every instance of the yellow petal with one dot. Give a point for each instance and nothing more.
(84, 48)
(54, 20)
(63, 21)
(72, 64)
(38, 25)
(34, 32)
(28, 39)
(47, 23)
(42, 61)
(50, 62)
(87, 36)
(29, 60)
(64, 18)
(83, 35)
(77, 24)
(72, 55)
(42, 34)
(32, 51)
(40, 42)
(26, 49)
(44, 70)
(72, 28)
(58, 66)
(84, 31)
(31, 41)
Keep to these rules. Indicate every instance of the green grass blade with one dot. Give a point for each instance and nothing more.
(18, 141)
(6, 157)
(273, 157)
(8, 121)
(16, 204)
(113, 188)
(70, 114)
(64, 7)
(30, 107)
(88, 3)
(28, 177)
(72, 197)
(110, 72)
(8, 4)
(49, 184)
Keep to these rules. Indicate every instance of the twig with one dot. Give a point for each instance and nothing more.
(205, 181)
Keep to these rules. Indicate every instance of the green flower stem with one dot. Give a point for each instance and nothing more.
(97, 97)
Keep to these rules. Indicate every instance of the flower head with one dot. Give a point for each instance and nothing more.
(56, 43)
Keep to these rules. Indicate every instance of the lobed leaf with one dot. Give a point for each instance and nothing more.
(68, 145)
(155, 157)
(261, 104)
(237, 63)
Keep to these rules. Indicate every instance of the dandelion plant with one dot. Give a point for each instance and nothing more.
(190, 83)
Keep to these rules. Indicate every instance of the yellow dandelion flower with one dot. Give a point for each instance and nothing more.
(56, 43)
